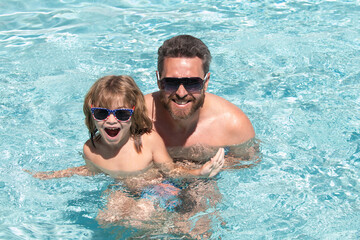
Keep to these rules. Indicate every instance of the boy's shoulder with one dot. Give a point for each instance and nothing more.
(89, 149)
(88, 145)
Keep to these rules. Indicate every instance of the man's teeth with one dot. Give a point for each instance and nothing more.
(181, 102)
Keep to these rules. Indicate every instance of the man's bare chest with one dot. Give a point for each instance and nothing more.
(197, 153)
(206, 136)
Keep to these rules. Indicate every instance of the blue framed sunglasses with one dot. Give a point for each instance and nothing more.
(121, 114)
(191, 84)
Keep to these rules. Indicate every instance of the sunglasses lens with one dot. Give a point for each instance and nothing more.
(191, 84)
(101, 114)
(171, 84)
(123, 115)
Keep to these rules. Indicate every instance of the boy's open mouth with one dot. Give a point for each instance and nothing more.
(112, 132)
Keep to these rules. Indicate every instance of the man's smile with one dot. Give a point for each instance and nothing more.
(181, 101)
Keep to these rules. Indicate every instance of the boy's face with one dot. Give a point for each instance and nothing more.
(111, 129)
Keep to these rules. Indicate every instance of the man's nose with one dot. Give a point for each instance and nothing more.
(181, 91)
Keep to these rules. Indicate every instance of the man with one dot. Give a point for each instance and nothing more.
(194, 123)
(191, 121)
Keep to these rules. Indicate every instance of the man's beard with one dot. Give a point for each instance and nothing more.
(179, 114)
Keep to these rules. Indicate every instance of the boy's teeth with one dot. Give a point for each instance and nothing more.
(112, 132)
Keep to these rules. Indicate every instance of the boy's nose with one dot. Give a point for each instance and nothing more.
(112, 118)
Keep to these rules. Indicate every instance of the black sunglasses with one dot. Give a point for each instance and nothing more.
(122, 114)
(191, 84)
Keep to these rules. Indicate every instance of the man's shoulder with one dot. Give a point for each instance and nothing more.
(219, 104)
(151, 96)
(233, 121)
(214, 97)
(150, 99)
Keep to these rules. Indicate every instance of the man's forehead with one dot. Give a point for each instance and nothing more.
(183, 66)
(182, 59)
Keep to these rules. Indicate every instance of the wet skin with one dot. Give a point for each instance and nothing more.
(185, 126)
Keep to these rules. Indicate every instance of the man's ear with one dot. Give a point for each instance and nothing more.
(206, 83)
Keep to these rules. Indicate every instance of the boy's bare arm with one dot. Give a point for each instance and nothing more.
(81, 170)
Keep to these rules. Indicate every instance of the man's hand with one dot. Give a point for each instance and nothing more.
(212, 167)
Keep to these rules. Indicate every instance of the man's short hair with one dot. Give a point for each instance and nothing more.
(184, 46)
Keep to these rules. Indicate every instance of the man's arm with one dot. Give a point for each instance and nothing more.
(244, 155)
(165, 163)
(239, 136)
(244, 152)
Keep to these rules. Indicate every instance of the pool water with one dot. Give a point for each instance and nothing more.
(292, 66)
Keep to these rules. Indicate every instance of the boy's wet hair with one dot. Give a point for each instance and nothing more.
(111, 88)
(184, 46)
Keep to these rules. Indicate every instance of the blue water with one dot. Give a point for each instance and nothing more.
(292, 66)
